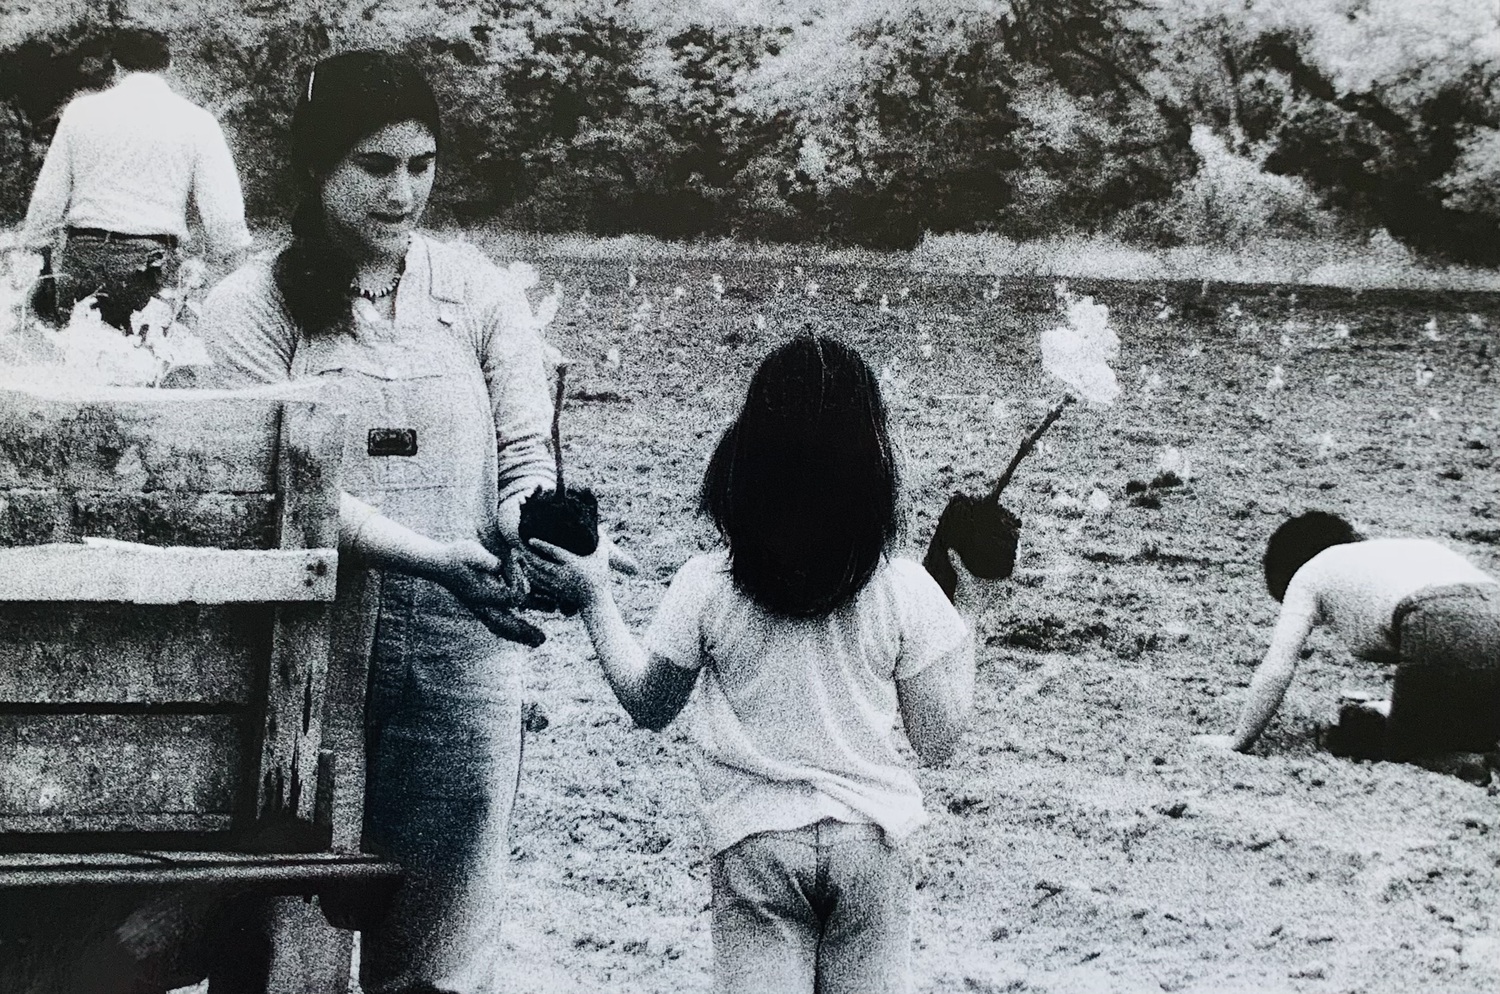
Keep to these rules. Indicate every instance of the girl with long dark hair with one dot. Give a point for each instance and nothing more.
(805, 640)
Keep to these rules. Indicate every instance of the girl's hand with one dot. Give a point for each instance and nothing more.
(972, 596)
(570, 577)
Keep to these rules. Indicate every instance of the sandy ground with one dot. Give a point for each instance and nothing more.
(1080, 842)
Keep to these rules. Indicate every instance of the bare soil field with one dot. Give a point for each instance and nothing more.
(1080, 842)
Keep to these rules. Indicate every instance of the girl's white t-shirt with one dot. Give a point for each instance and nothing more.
(794, 719)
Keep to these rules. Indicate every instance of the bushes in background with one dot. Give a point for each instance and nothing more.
(868, 122)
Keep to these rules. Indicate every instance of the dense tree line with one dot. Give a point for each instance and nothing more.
(867, 121)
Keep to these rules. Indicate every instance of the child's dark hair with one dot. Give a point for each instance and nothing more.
(803, 486)
(345, 99)
(1298, 540)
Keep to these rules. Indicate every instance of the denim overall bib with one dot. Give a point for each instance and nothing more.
(443, 711)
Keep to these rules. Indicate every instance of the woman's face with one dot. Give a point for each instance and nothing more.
(375, 196)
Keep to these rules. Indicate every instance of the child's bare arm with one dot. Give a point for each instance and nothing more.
(936, 704)
(651, 688)
(1268, 685)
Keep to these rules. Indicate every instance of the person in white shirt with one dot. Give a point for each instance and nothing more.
(117, 181)
(1408, 601)
(797, 647)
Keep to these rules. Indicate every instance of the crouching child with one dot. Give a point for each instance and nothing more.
(1408, 601)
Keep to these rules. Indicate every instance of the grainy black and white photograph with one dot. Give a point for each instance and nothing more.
(749, 496)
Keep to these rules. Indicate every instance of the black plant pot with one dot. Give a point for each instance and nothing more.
(984, 534)
(569, 520)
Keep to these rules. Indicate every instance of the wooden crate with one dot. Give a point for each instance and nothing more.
(167, 566)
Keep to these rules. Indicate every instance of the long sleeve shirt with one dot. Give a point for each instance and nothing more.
(130, 159)
(457, 317)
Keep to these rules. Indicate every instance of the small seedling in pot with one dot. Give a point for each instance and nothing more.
(566, 518)
(981, 530)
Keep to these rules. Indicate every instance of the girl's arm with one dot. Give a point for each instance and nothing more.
(937, 702)
(651, 688)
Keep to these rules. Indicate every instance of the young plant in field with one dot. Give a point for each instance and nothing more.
(90, 352)
(981, 530)
(22, 269)
(567, 518)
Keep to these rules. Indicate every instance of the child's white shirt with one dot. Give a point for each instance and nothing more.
(794, 719)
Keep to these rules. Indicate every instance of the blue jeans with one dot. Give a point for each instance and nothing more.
(444, 750)
(822, 909)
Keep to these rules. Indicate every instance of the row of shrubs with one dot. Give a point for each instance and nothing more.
(870, 126)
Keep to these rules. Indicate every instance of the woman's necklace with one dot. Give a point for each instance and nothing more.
(378, 293)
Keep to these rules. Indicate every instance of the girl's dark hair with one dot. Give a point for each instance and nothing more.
(803, 486)
(1298, 540)
(345, 99)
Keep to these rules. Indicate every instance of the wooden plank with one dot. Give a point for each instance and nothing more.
(113, 439)
(169, 869)
(308, 463)
(223, 521)
(355, 611)
(142, 574)
(119, 772)
(54, 653)
(158, 517)
(201, 858)
(35, 517)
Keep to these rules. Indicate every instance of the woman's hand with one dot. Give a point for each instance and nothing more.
(569, 577)
(477, 576)
(491, 586)
(487, 584)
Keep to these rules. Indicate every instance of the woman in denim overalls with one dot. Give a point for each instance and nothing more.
(434, 355)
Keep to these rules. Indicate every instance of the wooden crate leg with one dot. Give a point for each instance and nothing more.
(281, 945)
(308, 956)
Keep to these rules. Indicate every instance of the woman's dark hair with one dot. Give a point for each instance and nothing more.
(803, 486)
(345, 99)
(1298, 540)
